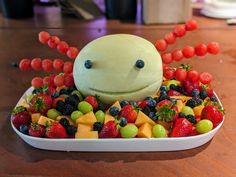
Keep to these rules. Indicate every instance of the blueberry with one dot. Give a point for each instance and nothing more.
(114, 111)
(97, 126)
(64, 122)
(55, 95)
(133, 103)
(139, 64)
(203, 94)
(60, 105)
(68, 109)
(71, 130)
(163, 93)
(191, 103)
(181, 115)
(198, 100)
(148, 98)
(151, 114)
(152, 103)
(191, 119)
(195, 92)
(146, 110)
(124, 103)
(163, 88)
(123, 121)
(24, 129)
(63, 91)
(154, 118)
(88, 64)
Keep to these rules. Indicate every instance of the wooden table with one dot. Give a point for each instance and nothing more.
(18, 38)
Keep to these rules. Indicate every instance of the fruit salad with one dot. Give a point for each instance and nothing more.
(86, 99)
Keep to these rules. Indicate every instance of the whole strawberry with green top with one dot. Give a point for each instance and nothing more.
(109, 130)
(56, 130)
(40, 103)
(20, 116)
(213, 114)
(182, 127)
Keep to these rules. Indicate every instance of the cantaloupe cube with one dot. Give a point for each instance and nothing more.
(116, 104)
(88, 118)
(108, 118)
(45, 120)
(35, 117)
(145, 131)
(84, 128)
(142, 118)
(179, 105)
(90, 135)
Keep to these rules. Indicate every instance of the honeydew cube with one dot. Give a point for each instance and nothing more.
(142, 118)
(116, 104)
(88, 119)
(145, 131)
(45, 120)
(84, 128)
(108, 118)
(35, 117)
(90, 135)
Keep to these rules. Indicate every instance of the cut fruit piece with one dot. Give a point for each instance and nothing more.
(84, 128)
(90, 135)
(45, 120)
(24, 104)
(198, 110)
(35, 117)
(116, 104)
(143, 118)
(179, 105)
(108, 118)
(182, 98)
(145, 131)
(167, 125)
(88, 118)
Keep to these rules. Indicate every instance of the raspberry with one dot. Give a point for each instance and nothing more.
(58, 64)
(177, 55)
(62, 47)
(43, 37)
(36, 64)
(161, 45)
(191, 25)
(37, 82)
(24, 64)
(53, 41)
(47, 65)
(179, 30)
(68, 67)
(213, 48)
(72, 52)
(167, 58)
(170, 38)
(200, 49)
(188, 52)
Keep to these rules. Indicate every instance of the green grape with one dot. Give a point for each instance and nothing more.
(204, 126)
(187, 110)
(78, 94)
(159, 131)
(75, 115)
(85, 107)
(100, 115)
(53, 114)
(129, 131)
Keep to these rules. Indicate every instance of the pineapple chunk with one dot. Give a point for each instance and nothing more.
(35, 117)
(45, 120)
(84, 128)
(90, 135)
(88, 118)
(142, 118)
(108, 118)
(145, 131)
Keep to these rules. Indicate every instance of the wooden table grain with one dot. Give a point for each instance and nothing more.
(18, 38)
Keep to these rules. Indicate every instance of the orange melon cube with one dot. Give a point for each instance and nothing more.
(45, 120)
(89, 135)
(145, 131)
(84, 128)
(142, 118)
(88, 119)
(35, 117)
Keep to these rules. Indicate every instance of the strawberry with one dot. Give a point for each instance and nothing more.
(166, 113)
(20, 116)
(209, 90)
(37, 130)
(163, 103)
(109, 130)
(190, 86)
(56, 130)
(129, 113)
(93, 101)
(173, 93)
(213, 114)
(182, 127)
(40, 103)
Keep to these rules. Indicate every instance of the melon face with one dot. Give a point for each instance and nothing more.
(113, 75)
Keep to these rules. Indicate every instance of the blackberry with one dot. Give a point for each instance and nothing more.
(74, 96)
(97, 126)
(163, 88)
(60, 106)
(148, 98)
(71, 130)
(64, 122)
(101, 107)
(55, 95)
(146, 110)
(114, 111)
(124, 103)
(133, 103)
(152, 103)
(63, 91)
(203, 94)
(198, 100)
(191, 103)
(181, 115)
(123, 121)
(71, 101)
(71, 89)
(24, 129)
(195, 92)
(191, 119)
(68, 109)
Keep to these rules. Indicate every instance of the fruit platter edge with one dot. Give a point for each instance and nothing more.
(118, 144)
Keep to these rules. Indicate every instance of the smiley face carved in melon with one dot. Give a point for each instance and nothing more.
(118, 67)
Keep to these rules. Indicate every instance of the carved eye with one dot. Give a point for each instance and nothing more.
(88, 64)
(139, 64)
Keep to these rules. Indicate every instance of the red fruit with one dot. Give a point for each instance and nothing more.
(40, 103)
(59, 80)
(20, 116)
(182, 127)
(180, 74)
(176, 113)
(36, 64)
(213, 48)
(129, 113)
(213, 114)
(72, 52)
(189, 86)
(210, 91)
(36, 130)
(68, 80)
(48, 81)
(109, 130)
(188, 52)
(37, 82)
(170, 38)
(161, 45)
(205, 78)
(200, 49)
(191, 25)
(163, 103)
(143, 104)
(24, 64)
(93, 101)
(51, 90)
(193, 76)
(167, 58)
(177, 55)
(169, 73)
(56, 100)
(62, 47)
(56, 130)
(53, 41)
(58, 64)
(179, 30)
(68, 67)
(47, 65)
(173, 93)
(44, 37)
